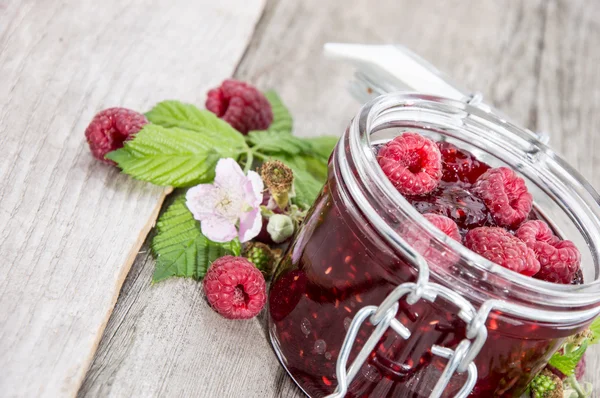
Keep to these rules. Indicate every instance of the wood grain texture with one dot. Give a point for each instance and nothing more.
(567, 100)
(167, 342)
(534, 59)
(71, 227)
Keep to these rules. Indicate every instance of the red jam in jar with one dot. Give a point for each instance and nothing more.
(352, 252)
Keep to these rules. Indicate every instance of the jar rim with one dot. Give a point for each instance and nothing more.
(359, 137)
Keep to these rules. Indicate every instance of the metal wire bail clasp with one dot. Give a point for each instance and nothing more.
(383, 317)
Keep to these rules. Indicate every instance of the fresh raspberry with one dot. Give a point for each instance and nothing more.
(110, 128)
(422, 243)
(535, 231)
(559, 259)
(498, 245)
(235, 288)
(412, 162)
(506, 196)
(444, 224)
(460, 165)
(241, 105)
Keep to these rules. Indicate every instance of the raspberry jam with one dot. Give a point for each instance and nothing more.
(347, 256)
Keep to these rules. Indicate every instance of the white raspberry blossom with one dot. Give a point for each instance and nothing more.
(230, 206)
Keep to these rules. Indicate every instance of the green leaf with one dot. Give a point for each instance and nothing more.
(595, 329)
(268, 141)
(567, 363)
(323, 146)
(171, 156)
(307, 188)
(317, 167)
(189, 117)
(282, 119)
(181, 249)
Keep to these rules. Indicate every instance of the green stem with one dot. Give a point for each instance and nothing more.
(249, 161)
(260, 155)
(576, 386)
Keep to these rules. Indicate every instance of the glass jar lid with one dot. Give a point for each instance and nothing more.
(560, 194)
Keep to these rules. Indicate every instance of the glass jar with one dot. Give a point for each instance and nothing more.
(356, 310)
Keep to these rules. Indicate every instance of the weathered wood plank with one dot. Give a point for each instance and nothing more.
(71, 227)
(567, 99)
(168, 342)
(498, 48)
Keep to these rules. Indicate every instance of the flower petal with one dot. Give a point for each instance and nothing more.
(250, 225)
(218, 229)
(229, 176)
(200, 200)
(253, 189)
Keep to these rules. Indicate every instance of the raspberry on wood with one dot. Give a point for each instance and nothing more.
(559, 259)
(506, 196)
(110, 128)
(498, 245)
(412, 162)
(235, 288)
(241, 105)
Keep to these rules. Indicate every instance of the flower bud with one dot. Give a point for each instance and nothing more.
(280, 227)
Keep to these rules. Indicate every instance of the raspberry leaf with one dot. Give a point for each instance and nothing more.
(307, 188)
(316, 167)
(323, 146)
(567, 362)
(187, 116)
(181, 249)
(171, 156)
(268, 141)
(282, 119)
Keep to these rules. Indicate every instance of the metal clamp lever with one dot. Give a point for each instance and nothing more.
(384, 316)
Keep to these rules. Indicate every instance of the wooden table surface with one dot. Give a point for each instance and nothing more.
(73, 236)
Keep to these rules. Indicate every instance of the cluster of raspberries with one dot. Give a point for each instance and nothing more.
(414, 165)
(239, 104)
(234, 286)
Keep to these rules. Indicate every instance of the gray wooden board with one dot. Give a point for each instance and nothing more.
(536, 60)
(71, 226)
